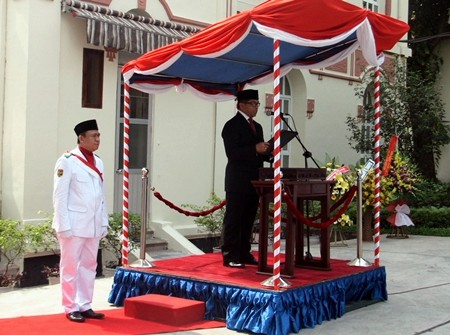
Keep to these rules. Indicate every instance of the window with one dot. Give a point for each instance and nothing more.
(371, 5)
(139, 123)
(285, 108)
(367, 123)
(92, 90)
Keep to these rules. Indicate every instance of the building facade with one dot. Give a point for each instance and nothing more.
(60, 64)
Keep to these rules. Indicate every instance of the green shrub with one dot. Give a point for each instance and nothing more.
(41, 236)
(12, 241)
(113, 241)
(431, 217)
(430, 194)
(425, 231)
(212, 222)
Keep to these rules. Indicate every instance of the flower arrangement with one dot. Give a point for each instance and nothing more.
(344, 220)
(400, 179)
(368, 190)
(343, 182)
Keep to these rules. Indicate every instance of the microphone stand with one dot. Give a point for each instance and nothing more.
(307, 154)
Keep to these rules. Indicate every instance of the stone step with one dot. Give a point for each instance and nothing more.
(165, 254)
(156, 243)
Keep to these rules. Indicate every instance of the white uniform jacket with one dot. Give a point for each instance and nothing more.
(79, 197)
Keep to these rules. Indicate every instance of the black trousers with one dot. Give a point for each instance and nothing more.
(238, 226)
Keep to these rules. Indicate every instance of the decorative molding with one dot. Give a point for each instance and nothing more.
(310, 105)
(111, 53)
(322, 73)
(268, 108)
(100, 2)
(180, 19)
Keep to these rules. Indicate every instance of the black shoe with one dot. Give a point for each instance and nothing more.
(234, 265)
(90, 314)
(75, 317)
(250, 261)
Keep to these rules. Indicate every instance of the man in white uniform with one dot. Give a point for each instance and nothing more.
(80, 221)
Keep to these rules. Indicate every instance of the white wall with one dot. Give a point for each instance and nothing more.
(31, 97)
(326, 131)
(182, 152)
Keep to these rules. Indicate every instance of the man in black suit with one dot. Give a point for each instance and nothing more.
(246, 150)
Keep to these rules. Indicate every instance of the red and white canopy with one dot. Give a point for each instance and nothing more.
(221, 59)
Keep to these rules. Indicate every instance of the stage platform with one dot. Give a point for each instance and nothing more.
(238, 296)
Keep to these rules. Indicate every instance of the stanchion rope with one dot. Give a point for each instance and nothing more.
(346, 199)
(189, 213)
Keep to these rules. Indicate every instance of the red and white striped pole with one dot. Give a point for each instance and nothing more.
(126, 150)
(277, 169)
(377, 206)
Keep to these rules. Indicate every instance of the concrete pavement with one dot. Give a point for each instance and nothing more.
(418, 281)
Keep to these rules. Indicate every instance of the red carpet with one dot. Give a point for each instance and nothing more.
(115, 323)
(208, 267)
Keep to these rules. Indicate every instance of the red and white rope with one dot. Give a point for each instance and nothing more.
(277, 168)
(377, 206)
(126, 150)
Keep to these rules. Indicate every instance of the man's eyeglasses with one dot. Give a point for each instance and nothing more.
(253, 103)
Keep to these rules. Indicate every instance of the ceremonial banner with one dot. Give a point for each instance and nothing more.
(390, 153)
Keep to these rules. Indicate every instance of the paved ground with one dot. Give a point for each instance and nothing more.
(418, 279)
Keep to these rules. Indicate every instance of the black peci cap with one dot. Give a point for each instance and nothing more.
(247, 95)
(85, 126)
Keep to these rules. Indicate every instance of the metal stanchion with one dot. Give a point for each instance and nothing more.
(269, 282)
(142, 262)
(359, 260)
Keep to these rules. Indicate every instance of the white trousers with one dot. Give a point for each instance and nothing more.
(78, 269)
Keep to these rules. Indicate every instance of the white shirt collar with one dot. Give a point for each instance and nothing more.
(244, 115)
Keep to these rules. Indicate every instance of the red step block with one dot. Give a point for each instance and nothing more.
(164, 309)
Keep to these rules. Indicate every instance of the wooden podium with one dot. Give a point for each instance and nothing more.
(303, 185)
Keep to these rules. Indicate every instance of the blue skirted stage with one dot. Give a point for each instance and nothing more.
(238, 296)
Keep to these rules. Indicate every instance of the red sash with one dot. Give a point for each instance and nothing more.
(92, 166)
